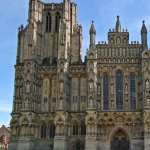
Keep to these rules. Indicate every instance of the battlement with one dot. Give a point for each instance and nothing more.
(53, 6)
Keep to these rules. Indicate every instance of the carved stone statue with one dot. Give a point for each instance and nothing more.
(91, 87)
(147, 83)
(126, 88)
(61, 88)
(112, 89)
(27, 87)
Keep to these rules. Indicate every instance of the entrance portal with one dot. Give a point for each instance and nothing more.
(120, 141)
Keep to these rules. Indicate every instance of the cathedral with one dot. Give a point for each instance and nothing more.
(62, 102)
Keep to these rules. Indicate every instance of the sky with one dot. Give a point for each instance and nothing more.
(102, 12)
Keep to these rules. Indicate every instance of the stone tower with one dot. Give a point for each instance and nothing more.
(64, 103)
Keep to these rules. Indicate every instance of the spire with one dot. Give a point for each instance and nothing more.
(92, 29)
(92, 34)
(118, 24)
(144, 36)
(144, 29)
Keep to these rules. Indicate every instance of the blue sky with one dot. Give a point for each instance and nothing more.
(103, 12)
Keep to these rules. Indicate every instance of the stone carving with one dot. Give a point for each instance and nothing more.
(91, 87)
(147, 85)
(126, 88)
(27, 87)
(61, 88)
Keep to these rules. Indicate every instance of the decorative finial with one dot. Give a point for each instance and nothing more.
(92, 34)
(144, 36)
(144, 29)
(92, 29)
(143, 21)
(118, 25)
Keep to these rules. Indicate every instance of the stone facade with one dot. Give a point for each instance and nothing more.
(64, 103)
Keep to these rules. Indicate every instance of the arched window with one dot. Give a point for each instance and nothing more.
(57, 22)
(43, 131)
(105, 92)
(133, 92)
(48, 22)
(119, 90)
(51, 131)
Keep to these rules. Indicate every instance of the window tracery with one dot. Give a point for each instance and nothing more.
(133, 92)
(105, 92)
(48, 22)
(119, 90)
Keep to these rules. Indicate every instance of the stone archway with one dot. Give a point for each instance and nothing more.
(120, 141)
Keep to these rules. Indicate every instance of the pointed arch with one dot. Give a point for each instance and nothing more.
(132, 92)
(57, 22)
(120, 140)
(105, 92)
(119, 90)
(48, 22)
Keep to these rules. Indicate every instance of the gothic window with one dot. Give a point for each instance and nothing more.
(48, 22)
(133, 92)
(119, 90)
(57, 22)
(43, 131)
(105, 92)
(51, 131)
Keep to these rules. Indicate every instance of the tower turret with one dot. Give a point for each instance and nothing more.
(92, 34)
(32, 5)
(35, 11)
(144, 36)
(76, 44)
(66, 9)
(118, 24)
